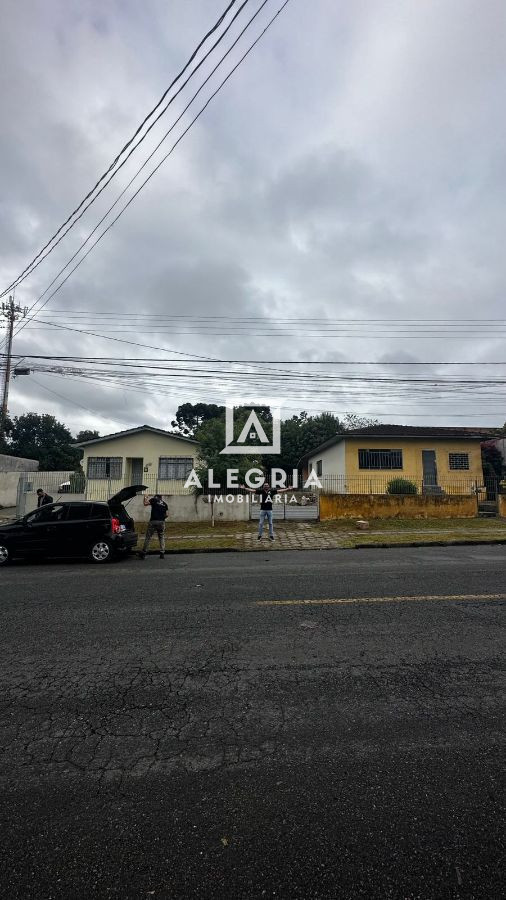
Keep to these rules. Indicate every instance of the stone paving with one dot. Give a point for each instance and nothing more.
(295, 536)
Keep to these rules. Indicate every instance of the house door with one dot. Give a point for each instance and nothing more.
(136, 471)
(429, 468)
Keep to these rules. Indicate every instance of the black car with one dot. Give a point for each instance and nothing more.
(99, 530)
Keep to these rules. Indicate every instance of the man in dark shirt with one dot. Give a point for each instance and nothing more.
(156, 523)
(43, 498)
(267, 494)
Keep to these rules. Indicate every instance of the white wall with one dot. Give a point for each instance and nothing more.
(17, 464)
(182, 508)
(8, 488)
(11, 467)
(333, 462)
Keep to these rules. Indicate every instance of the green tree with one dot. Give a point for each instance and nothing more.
(211, 436)
(86, 435)
(190, 416)
(492, 461)
(300, 434)
(4, 439)
(45, 439)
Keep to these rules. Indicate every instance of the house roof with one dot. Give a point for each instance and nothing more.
(409, 431)
(140, 428)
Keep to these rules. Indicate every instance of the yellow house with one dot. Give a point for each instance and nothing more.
(144, 455)
(366, 460)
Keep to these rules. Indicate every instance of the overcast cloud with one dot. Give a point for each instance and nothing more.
(353, 168)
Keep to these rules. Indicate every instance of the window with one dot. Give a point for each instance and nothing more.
(105, 466)
(78, 512)
(47, 513)
(175, 467)
(100, 511)
(319, 467)
(458, 460)
(380, 459)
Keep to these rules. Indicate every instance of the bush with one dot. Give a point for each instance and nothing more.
(401, 486)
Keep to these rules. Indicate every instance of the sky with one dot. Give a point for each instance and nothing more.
(350, 171)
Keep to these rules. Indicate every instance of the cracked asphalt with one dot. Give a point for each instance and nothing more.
(165, 734)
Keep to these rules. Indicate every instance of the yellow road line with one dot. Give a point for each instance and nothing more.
(336, 601)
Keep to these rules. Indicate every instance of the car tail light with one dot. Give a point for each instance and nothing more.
(116, 527)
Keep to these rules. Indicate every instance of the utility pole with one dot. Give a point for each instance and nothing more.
(11, 311)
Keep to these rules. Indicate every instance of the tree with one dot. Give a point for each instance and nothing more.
(190, 416)
(492, 460)
(352, 420)
(211, 436)
(4, 445)
(83, 436)
(300, 434)
(45, 439)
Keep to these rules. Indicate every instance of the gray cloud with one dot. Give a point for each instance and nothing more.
(351, 169)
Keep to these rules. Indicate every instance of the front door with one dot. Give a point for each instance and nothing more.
(136, 470)
(429, 467)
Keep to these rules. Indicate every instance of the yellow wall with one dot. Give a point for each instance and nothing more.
(357, 506)
(412, 458)
(144, 445)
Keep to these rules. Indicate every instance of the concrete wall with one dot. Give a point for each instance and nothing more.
(17, 464)
(183, 508)
(8, 488)
(11, 467)
(365, 506)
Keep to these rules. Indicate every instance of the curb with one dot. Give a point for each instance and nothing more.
(403, 545)
(470, 543)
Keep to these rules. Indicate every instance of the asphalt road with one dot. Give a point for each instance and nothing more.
(169, 732)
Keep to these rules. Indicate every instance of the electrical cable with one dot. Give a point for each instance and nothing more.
(39, 256)
(152, 173)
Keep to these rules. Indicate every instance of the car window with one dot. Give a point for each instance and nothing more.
(78, 511)
(48, 513)
(100, 511)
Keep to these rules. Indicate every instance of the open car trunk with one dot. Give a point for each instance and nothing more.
(116, 504)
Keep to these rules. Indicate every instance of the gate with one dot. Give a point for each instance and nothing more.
(307, 508)
(487, 496)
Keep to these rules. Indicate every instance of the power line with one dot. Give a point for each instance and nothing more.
(41, 255)
(158, 166)
(306, 362)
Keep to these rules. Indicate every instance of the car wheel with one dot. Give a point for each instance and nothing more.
(5, 556)
(101, 552)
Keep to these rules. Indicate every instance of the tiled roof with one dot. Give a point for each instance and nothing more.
(120, 434)
(410, 431)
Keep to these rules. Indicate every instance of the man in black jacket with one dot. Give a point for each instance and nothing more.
(43, 498)
(156, 523)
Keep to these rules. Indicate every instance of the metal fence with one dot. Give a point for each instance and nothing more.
(59, 484)
(386, 484)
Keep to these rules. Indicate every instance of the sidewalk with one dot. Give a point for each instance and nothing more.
(340, 534)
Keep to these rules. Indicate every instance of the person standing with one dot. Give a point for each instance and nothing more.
(43, 498)
(159, 510)
(267, 494)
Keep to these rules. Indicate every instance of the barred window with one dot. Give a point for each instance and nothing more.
(319, 468)
(105, 466)
(458, 460)
(175, 467)
(380, 459)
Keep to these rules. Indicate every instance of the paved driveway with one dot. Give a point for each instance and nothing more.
(194, 727)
